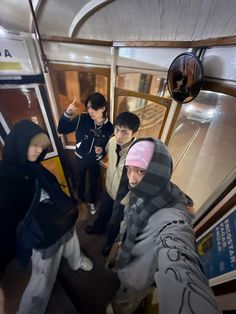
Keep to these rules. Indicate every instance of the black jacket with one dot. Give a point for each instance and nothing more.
(20, 195)
(87, 136)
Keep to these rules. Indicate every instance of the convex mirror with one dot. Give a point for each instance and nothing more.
(185, 77)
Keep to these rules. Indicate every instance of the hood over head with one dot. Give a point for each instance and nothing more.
(18, 140)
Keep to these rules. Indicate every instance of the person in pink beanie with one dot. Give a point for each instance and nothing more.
(157, 242)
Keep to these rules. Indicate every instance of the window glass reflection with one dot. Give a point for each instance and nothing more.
(151, 114)
(143, 83)
(17, 104)
(203, 144)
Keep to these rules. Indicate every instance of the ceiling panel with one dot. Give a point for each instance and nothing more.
(56, 16)
(126, 20)
(15, 15)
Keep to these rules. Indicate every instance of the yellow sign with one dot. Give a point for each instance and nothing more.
(10, 66)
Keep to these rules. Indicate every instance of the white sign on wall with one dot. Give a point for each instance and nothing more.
(15, 58)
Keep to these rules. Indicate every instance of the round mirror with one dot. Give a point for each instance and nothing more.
(185, 77)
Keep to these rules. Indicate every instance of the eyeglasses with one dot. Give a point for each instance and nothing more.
(122, 132)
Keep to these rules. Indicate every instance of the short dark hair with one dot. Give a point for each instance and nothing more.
(97, 101)
(128, 120)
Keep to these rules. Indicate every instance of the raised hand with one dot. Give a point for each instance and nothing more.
(72, 109)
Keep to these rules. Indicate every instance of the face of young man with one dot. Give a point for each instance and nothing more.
(123, 135)
(135, 175)
(33, 152)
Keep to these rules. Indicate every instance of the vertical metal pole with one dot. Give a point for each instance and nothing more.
(44, 64)
(43, 56)
(114, 53)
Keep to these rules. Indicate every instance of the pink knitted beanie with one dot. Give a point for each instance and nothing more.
(140, 154)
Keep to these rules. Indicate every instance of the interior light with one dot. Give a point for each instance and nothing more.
(72, 55)
(189, 108)
(211, 112)
(24, 90)
(3, 31)
(87, 58)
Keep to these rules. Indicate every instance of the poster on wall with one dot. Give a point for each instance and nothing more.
(217, 249)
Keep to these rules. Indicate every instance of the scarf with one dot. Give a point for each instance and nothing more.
(153, 192)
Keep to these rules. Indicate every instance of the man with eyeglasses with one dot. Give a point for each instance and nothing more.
(115, 197)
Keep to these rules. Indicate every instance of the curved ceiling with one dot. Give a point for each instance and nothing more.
(124, 20)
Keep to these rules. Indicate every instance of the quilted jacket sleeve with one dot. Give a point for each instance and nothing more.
(179, 276)
(66, 125)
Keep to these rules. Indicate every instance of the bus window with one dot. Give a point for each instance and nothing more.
(203, 144)
(151, 114)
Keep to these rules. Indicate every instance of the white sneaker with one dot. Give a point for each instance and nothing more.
(92, 209)
(86, 263)
(109, 309)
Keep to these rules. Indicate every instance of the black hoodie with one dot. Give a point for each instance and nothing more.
(19, 196)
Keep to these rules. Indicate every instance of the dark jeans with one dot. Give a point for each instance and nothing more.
(94, 174)
(104, 216)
